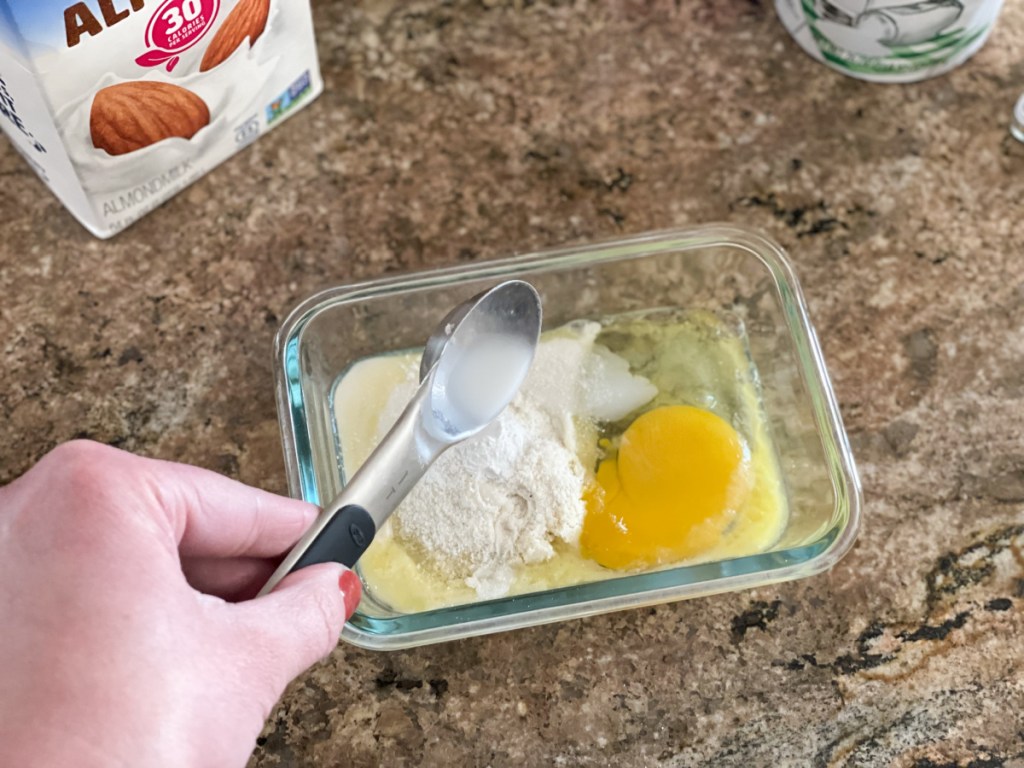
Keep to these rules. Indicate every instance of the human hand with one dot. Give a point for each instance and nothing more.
(119, 647)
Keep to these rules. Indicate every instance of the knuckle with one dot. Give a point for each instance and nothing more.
(82, 468)
(81, 454)
(75, 451)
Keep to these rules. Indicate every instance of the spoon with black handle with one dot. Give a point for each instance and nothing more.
(473, 365)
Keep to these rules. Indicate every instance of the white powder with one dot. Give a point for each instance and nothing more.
(506, 497)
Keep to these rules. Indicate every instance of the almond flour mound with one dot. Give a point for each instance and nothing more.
(506, 498)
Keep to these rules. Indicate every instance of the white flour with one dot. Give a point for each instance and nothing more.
(505, 498)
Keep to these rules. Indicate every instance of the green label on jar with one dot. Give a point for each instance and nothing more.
(890, 39)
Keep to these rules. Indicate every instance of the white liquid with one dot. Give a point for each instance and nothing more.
(475, 381)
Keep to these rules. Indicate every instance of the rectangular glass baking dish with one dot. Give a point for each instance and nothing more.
(716, 268)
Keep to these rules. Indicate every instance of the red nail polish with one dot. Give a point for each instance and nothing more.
(352, 588)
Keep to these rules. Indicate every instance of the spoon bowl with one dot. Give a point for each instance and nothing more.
(512, 308)
(477, 359)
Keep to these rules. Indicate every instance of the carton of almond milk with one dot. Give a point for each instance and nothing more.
(120, 104)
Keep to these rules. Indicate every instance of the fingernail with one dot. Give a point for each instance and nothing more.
(352, 589)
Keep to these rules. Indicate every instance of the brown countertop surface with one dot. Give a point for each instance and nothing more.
(461, 131)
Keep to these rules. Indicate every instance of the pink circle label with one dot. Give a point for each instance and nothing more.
(179, 24)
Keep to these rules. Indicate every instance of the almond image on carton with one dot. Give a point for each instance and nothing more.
(248, 19)
(130, 116)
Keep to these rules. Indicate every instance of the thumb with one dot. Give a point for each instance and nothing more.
(298, 623)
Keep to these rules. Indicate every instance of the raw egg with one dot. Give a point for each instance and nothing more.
(671, 491)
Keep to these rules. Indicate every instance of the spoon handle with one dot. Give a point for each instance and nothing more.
(347, 526)
(344, 539)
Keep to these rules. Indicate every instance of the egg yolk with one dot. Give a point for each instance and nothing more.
(670, 493)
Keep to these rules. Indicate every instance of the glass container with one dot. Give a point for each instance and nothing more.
(718, 268)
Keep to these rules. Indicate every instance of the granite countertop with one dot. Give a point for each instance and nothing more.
(460, 131)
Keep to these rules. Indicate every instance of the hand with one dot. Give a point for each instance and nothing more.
(118, 646)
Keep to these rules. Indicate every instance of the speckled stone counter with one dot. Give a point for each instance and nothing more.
(462, 131)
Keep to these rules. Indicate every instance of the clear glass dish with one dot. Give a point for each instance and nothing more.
(716, 268)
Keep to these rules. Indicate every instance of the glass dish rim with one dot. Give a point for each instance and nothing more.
(784, 566)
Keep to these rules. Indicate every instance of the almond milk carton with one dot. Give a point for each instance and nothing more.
(120, 104)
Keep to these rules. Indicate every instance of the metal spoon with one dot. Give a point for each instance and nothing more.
(473, 365)
(439, 338)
